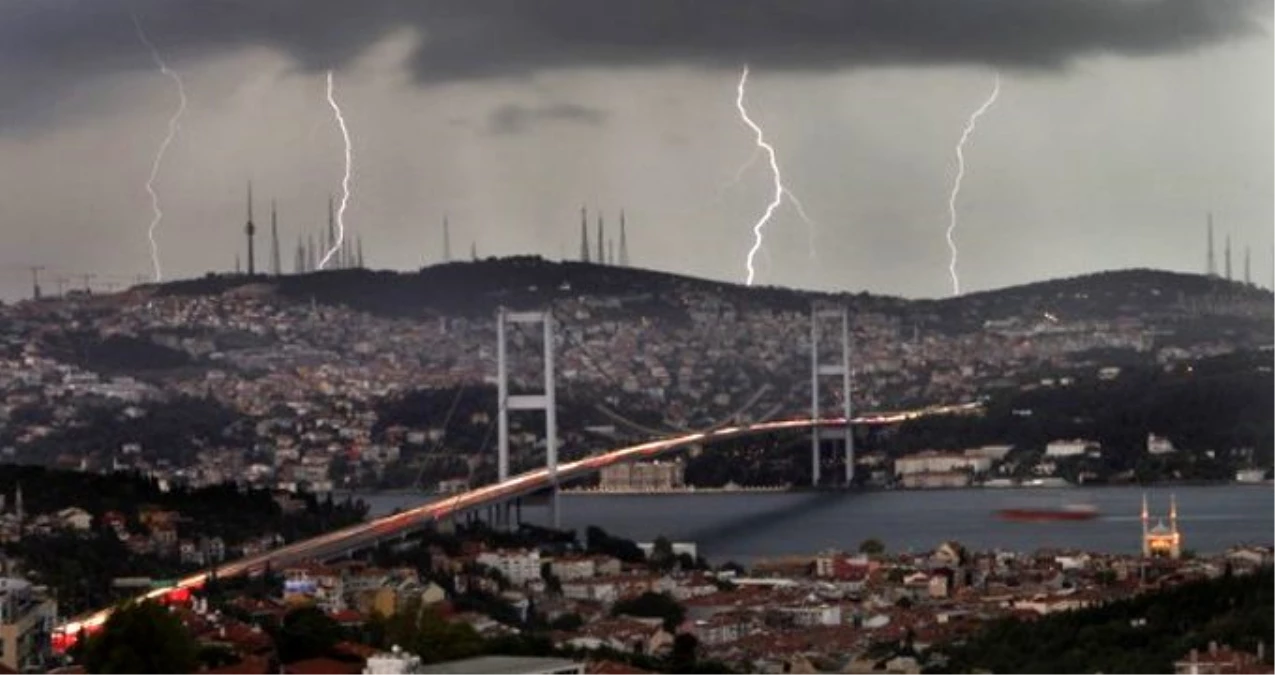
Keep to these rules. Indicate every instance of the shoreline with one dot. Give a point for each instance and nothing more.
(796, 489)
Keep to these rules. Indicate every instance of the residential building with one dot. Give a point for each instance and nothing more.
(519, 567)
(394, 662)
(1218, 660)
(27, 616)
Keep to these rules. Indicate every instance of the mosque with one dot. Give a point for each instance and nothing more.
(1161, 541)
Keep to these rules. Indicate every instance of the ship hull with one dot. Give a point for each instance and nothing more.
(1040, 515)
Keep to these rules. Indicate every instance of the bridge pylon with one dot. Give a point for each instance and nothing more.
(818, 370)
(545, 401)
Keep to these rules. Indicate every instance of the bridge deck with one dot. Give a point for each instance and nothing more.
(365, 534)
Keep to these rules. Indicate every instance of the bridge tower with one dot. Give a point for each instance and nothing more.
(545, 401)
(842, 370)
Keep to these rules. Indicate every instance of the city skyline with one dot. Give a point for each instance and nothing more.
(1120, 126)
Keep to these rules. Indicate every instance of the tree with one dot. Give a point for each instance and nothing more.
(662, 556)
(306, 633)
(142, 638)
(872, 546)
(569, 622)
(431, 637)
(682, 658)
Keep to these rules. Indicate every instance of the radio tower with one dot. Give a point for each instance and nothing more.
(1248, 280)
(1228, 257)
(276, 266)
(251, 231)
(584, 234)
(447, 241)
(35, 281)
(624, 243)
(601, 243)
(1212, 266)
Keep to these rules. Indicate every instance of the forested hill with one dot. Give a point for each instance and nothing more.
(1145, 634)
(478, 287)
(465, 288)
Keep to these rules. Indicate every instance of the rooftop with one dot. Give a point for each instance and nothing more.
(501, 665)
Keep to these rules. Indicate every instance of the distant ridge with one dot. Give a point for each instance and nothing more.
(478, 287)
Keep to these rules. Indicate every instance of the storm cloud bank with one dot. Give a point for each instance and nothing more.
(48, 47)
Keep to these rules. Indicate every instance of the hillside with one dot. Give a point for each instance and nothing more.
(348, 367)
(524, 282)
(1145, 634)
(1109, 295)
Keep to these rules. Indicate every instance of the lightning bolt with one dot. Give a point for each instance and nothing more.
(960, 173)
(163, 147)
(810, 224)
(345, 181)
(739, 173)
(774, 169)
(801, 210)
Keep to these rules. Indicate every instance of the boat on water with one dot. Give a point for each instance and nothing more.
(1070, 512)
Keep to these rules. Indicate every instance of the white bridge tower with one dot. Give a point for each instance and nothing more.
(842, 370)
(544, 401)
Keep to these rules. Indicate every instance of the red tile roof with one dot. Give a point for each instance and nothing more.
(252, 665)
(611, 668)
(347, 616)
(323, 666)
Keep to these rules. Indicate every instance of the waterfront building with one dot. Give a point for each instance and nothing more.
(644, 477)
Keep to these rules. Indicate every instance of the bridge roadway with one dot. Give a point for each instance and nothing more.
(385, 528)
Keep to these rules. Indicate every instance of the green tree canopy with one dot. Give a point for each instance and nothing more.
(142, 638)
(872, 546)
(649, 604)
(306, 633)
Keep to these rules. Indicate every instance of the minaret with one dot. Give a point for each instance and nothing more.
(298, 262)
(276, 266)
(251, 231)
(358, 260)
(447, 240)
(1212, 267)
(1248, 279)
(1176, 551)
(1228, 257)
(1146, 516)
(610, 251)
(473, 251)
(601, 243)
(624, 243)
(311, 261)
(238, 269)
(584, 234)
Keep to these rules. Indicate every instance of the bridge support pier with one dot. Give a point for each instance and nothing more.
(546, 401)
(817, 370)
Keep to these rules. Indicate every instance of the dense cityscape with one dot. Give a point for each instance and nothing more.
(642, 336)
(301, 400)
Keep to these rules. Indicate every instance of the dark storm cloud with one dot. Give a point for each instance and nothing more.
(512, 118)
(46, 46)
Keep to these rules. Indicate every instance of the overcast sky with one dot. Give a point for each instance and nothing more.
(1118, 126)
